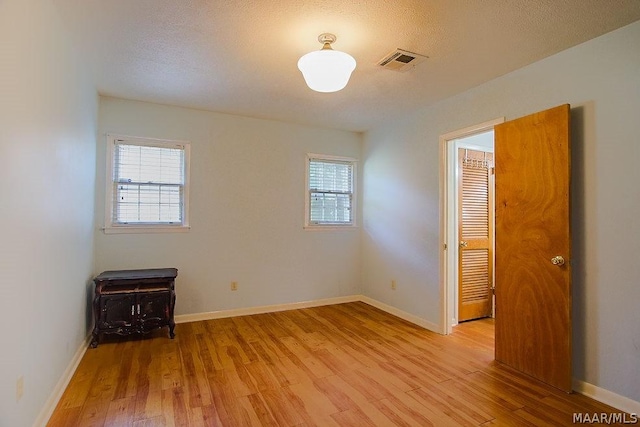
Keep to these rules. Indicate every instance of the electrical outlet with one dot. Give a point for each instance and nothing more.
(393, 285)
(234, 286)
(19, 388)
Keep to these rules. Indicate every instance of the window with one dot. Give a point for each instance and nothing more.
(147, 185)
(330, 197)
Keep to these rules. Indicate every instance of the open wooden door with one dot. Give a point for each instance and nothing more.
(475, 229)
(533, 246)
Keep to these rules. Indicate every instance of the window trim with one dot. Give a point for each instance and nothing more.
(308, 225)
(115, 228)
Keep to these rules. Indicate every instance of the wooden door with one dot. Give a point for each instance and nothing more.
(533, 246)
(475, 229)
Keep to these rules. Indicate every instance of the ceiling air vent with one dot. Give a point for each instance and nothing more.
(401, 60)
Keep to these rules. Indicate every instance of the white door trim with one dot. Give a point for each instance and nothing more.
(448, 231)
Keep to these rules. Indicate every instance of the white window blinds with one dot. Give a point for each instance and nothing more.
(330, 192)
(148, 183)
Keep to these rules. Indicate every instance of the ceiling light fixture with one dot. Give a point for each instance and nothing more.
(326, 70)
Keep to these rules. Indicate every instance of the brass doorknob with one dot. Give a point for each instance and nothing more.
(557, 260)
(463, 244)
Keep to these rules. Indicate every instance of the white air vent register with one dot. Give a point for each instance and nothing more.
(401, 60)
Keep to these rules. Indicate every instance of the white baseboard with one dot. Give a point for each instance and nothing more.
(402, 314)
(607, 397)
(185, 318)
(61, 386)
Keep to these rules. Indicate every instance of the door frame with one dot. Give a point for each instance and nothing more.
(448, 220)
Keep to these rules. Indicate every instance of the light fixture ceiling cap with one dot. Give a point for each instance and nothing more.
(327, 38)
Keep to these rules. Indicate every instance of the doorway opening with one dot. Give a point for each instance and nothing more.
(532, 242)
(466, 295)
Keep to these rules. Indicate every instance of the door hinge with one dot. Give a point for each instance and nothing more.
(445, 246)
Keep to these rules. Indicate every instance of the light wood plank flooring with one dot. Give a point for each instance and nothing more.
(340, 365)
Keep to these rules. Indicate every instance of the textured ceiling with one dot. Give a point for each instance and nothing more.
(240, 57)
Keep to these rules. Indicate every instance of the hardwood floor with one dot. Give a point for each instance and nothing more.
(340, 365)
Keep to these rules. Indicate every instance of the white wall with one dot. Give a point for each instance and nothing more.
(247, 211)
(48, 113)
(601, 80)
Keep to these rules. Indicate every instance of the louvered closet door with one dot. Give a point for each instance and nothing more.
(475, 228)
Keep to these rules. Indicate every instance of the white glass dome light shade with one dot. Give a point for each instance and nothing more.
(326, 70)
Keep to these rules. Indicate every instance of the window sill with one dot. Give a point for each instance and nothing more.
(310, 227)
(145, 229)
